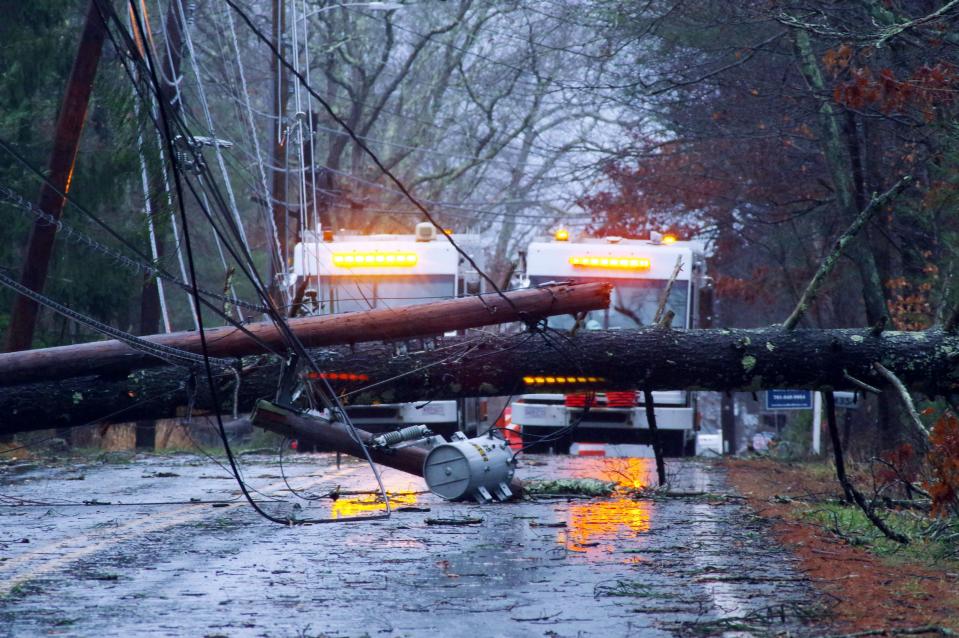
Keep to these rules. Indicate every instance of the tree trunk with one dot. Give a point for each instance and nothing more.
(841, 170)
(489, 365)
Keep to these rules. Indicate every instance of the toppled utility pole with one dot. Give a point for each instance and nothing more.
(385, 324)
(338, 437)
(66, 142)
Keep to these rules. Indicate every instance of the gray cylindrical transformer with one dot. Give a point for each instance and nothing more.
(479, 468)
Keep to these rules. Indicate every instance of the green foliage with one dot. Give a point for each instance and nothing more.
(40, 39)
(933, 541)
(580, 487)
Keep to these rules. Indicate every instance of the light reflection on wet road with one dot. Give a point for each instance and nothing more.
(554, 567)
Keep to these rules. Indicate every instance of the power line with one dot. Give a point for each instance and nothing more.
(376, 160)
(293, 341)
(166, 353)
(88, 213)
(138, 266)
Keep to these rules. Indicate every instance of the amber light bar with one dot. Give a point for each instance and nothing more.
(337, 376)
(624, 263)
(552, 380)
(365, 260)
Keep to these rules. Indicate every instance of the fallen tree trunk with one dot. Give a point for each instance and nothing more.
(487, 365)
(385, 324)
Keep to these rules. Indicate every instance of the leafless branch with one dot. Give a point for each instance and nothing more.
(829, 263)
(906, 397)
(898, 29)
(862, 385)
(669, 287)
(852, 494)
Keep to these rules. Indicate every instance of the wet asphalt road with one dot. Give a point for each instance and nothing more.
(558, 567)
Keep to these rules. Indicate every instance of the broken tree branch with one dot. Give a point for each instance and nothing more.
(852, 494)
(669, 286)
(829, 263)
(654, 431)
(906, 397)
(862, 385)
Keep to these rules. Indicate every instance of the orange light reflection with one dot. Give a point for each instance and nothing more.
(629, 473)
(590, 524)
(594, 526)
(360, 505)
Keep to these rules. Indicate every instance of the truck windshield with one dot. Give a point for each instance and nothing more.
(347, 294)
(633, 304)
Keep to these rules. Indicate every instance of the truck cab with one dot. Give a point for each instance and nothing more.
(551, 418)
(347, 272)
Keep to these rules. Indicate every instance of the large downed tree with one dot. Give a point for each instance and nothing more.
(491, 365)
(482, 364)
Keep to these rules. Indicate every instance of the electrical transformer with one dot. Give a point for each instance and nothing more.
(479, 468)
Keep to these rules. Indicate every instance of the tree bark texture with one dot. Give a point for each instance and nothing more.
(115, 357)
(489, 365)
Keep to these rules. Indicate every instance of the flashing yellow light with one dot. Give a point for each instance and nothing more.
(537, 380)
(625, 263)
(561, 235)
(366, 260)
(669, 239)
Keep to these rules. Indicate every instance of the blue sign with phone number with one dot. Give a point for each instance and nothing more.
(788, 399)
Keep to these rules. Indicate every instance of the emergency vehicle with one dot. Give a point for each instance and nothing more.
(639, 271)
(349, 272)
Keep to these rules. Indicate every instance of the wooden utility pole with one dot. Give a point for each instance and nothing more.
(278, 194)
(338, 437)
(66, 141)
(384, 324)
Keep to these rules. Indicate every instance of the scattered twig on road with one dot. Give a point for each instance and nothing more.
(454, 521)
(902, 631)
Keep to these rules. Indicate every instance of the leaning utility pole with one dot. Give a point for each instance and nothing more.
(66, 141)
(278, 191)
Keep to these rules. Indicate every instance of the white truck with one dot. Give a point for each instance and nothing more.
(553, 417)
(349, 272)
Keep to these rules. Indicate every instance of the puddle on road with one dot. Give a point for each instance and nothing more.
(617, 567)
(369, 503)
(593, 527)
